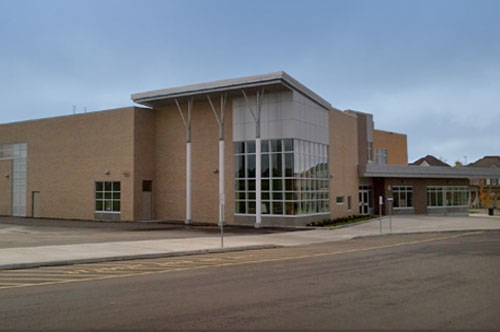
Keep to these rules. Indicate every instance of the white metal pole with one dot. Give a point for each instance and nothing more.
(258, 207)
(188, 183)
(222, 197)
(380, 200)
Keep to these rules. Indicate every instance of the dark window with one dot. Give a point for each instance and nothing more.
(147, 185)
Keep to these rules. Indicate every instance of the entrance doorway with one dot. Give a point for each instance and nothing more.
(365, 200)
(147, 199)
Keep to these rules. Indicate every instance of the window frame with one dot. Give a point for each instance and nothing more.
(300, 186)
(115, 196)
(399, 191)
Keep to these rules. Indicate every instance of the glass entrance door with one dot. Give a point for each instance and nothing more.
(365, 200)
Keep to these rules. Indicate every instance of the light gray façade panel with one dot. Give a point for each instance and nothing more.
(284, 114)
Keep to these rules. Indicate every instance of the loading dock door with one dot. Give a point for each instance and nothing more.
(36, 204)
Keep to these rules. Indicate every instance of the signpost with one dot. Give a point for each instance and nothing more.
(380, 203)
(389, 204)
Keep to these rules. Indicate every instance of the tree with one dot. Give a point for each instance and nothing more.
(487, 198)
(458, 163)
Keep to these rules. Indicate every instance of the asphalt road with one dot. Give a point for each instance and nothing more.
(426, 281)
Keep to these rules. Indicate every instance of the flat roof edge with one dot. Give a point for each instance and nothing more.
(400, 171)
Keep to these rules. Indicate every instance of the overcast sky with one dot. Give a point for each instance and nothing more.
(430, 69)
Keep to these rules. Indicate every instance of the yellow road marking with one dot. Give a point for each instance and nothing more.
(225, 264)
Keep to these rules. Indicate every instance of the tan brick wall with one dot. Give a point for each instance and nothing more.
(343, 162)
(5, 187)
(397, 150)
(67, 154)
(170, 163)
(144, 148)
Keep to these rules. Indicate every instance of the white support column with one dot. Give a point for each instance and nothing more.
(188, 183)
(258, 190)
(222, 194)
(187, 124)
(220, 122)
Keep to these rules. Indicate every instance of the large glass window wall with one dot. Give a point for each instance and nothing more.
(439, 196)
(294, 177)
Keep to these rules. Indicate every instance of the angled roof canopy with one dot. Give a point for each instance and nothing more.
(234, 84)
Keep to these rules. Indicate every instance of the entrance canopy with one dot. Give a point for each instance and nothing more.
(399, 171)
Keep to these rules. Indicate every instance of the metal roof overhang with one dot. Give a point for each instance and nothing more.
(399, 171)
(273, 79)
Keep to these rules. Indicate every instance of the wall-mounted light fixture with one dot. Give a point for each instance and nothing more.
(107, 172)
(126, 174)
(216, 171)
(7, 175)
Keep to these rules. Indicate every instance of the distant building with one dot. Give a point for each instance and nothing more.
(429, 160)
(489, 185)
(258, 150)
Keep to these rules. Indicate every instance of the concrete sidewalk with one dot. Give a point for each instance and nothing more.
(95, 252)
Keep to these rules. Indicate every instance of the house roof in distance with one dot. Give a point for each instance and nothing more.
(429, 160)
(233, 84)
(486, 161)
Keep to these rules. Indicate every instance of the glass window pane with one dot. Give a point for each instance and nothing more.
(265, 195)
(250, 145)
(98, 205)
(251, 207)
(116, 206)
(99, 186)
(251, 185)
(241, 195)
(116, 186)
(276, 165)
(251, 166)
(265, 186)
(289, 208)
(289, 184)
(288, 145)
(288, 164)
(107, 206)
(265, 165)
(277, 208)
(276, 145)
(264, 146)
(107, 186)
(277, 196)
(107, 195)
(239, 147)
(296, 165)
(277, 185)
(116, 196)
(265, 208)
(251, 195)
(239, 166)
(240, 184)
(241, 207)
(409, 197)
(98, 195)
(289, 196)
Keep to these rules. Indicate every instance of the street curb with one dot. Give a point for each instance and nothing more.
(425, 232)
(134, 257)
